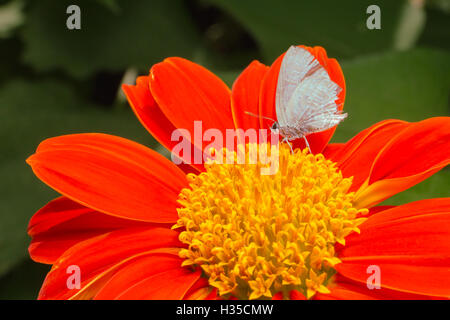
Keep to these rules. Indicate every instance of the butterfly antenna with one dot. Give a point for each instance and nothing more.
(257, 116)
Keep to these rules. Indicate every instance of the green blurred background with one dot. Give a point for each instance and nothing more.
(56, 81)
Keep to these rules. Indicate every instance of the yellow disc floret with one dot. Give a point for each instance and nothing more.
(254, 235)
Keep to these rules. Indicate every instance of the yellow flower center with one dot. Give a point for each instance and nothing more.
(255, 235)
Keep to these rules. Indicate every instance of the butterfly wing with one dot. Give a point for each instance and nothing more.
(296, 64)
(307, 97)
(313, 105)
(321, 120)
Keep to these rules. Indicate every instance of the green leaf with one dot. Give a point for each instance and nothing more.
(10, 65)
(110, 4)
(339, 26)
(23, 281)
(137, 34)
(29, 113)
(437, 29)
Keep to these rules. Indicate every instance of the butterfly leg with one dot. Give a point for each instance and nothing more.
(289, 144)
(307, 144)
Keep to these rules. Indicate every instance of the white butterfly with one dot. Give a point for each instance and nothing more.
(305, 97)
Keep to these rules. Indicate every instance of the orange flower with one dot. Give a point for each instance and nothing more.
(139, 227)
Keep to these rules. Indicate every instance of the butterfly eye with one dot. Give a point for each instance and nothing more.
(275, 126)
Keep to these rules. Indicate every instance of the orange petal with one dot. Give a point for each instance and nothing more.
(377, 209)
(268, 93)
(205, 293)
(410, 244)
(417, 152)
(111, 175)
(150, 115)
(423, 276)
(136, 271)
(148, 112)
(346, 289)
(96, 256)
(319, 140)
(347, 292)
(331, 149)
(200, 290)
(187, 92)
(54, 213)
(167, 285)
(355, 158)
(63, 223)
(296, 295)
(278, 296)
(414, 222)
(245, 96)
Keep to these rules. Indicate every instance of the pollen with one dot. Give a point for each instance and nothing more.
(254, 235)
